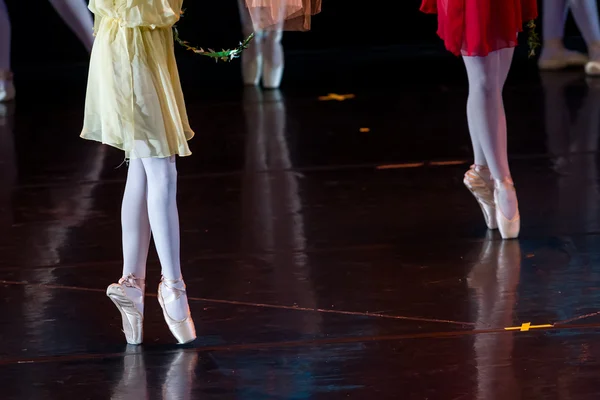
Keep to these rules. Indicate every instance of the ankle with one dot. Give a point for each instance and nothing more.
(6, 75)
(594, 49)
(481, 168)
(174, 285)
(484, 172)
(132, 281)
(554, 44)
(504, 183)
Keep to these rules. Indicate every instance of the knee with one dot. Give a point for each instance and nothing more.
(162, 185)
(484, 86)
(274, 36)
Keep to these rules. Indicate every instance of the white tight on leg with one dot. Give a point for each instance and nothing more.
(252, 58)
(486, 116)
(4, 38)
(485, 109)
(585, 13)
(273, 59)
(150, 205)
(134, 221)
(77, 16)
(163, 215)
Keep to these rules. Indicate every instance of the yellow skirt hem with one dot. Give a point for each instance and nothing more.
(93, 138)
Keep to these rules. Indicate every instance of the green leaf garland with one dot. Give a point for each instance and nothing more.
(223, 55)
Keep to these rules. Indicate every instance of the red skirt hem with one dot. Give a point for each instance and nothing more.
(476, 28)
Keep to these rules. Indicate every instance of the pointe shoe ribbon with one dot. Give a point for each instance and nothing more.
(130, 281)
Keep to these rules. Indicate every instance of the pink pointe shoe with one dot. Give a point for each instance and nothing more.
(173, 301)
(479, 182)
(128, 296)
(509, 228)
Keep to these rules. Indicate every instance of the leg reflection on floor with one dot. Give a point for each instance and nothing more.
(494, 280)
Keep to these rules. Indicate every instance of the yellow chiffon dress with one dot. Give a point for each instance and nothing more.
(134, 100)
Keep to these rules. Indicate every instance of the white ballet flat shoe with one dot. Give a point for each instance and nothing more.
(184, 329)
(7, 87)
(561, 59)
(509, 228)
(483, 193)
(592, 68)
(128, 296)
(555, 56)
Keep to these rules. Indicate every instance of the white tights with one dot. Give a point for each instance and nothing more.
(585, 13)
(487, 119)
(73, 12)
(150, 205)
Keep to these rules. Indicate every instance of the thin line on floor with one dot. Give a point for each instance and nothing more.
(260, 305)
(281, 345)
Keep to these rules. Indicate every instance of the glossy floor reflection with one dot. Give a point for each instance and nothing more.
(329, 248)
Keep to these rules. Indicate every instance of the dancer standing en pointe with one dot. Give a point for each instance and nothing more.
(135, 103)
(485, 33)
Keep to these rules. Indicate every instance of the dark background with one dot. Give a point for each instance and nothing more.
(39, 36)
(347, 42)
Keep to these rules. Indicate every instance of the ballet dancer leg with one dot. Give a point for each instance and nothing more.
(77, 16)
(134, 221)
(585, 13)
(7, 90)
(164, 222)
(252, 58)
(273, 62)
(487, 122)
(128, 293)
(554, 55)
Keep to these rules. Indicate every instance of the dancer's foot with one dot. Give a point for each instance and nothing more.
(272, 75)
(174, 303)
(479, 181)
(555, 56)
(507, 208)
(128, 296)
(7, 87)
(592, 68)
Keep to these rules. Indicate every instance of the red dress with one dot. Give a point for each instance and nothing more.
(478, 27)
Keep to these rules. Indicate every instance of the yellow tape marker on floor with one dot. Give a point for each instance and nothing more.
(527, 326)
(445, 163)
(335, 96)
(398, 166)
